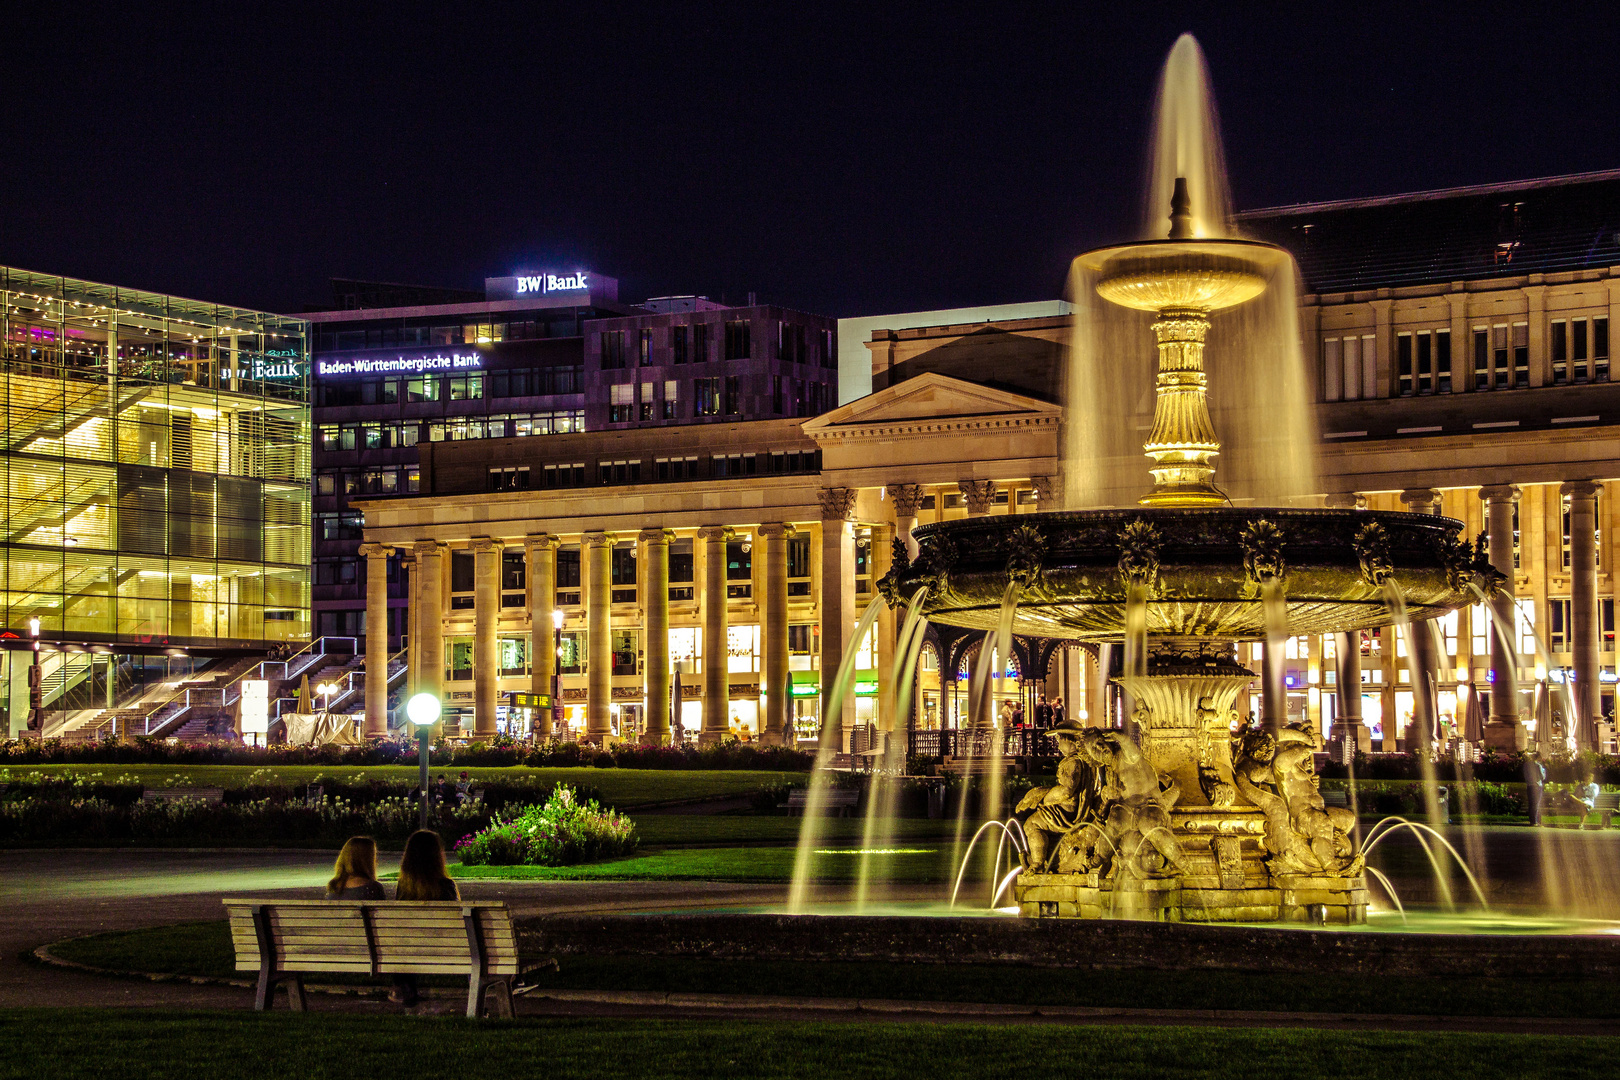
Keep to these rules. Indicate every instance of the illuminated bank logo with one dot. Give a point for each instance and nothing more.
(408, 365)
(550, 283)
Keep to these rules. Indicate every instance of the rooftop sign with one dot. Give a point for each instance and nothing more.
(553, 287)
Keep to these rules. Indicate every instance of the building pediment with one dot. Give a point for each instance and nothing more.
(931, 404)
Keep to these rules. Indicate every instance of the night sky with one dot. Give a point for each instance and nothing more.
(846, 161)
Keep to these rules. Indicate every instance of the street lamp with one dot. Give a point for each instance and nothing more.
(36, 683)
(326, 690)
(557, 618)
(423, 710)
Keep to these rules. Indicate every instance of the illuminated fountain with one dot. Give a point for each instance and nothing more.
(1190, 816)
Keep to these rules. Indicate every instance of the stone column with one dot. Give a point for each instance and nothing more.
(376, 556)
(486, 648)
(540, 551)
(837, 606)
(1584, 628)
(1503, 731)
(716, 659)
(430, 619)
(776, 694)
(907, 499)
(653, 572)
(1347, 679)
(408, 567)
(1423, 663)
(598, 567)
(979, 495)
(880, 559)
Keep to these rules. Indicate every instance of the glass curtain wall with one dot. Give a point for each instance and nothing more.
(154, 466)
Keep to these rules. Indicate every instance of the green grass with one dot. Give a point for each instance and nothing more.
(662, 830)
(205, 949)
(112, 1045)
(915, 863)
(619, 787)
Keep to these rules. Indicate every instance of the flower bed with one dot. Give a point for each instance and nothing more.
(562, 831)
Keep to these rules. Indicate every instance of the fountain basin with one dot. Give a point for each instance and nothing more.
(1183, 275)
(1202, 570)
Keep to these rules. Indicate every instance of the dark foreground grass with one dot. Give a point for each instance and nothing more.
(68, 1044)
(205, 949)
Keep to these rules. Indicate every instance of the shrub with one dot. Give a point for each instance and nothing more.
(561, 831)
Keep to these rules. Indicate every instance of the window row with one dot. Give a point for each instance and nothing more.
(696, 344)
(516, 382)
(406, 479)
(340, 437)
(390, 337)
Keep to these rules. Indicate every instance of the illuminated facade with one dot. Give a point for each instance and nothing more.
(156, 472)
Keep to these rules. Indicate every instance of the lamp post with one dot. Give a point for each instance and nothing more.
(423, 710)
(36, 683)
(326, 690)
(557, 618)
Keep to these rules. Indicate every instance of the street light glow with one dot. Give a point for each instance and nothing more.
(557, 618)
(423, 709)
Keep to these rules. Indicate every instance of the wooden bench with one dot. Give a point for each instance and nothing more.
(1607, 805)
(840, 801)
(176, 794)
(285, 939)
(1336, 798)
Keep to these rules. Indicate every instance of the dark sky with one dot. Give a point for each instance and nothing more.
(848, 161)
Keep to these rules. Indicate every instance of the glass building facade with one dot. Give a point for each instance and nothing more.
(155, 468)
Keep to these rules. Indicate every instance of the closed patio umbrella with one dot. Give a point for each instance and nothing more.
(306, 700)
(676, 734)
(1543, 715)
(1473, 717)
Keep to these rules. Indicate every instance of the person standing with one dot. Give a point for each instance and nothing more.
(1535, 780)
(1043, 713)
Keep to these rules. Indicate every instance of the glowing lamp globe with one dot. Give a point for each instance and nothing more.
(423, 709)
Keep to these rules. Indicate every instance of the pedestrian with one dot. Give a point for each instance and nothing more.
(1535, 780)
(1057, 715)
(1043, 713)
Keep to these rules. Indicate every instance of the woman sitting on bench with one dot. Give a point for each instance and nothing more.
(422, 876)
(354, 876)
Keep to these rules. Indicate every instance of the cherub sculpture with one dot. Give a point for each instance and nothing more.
(1277, 773)
(1133, 834)
(1054, 811)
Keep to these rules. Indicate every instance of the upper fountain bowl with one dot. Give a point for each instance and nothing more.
(1202, 572)
(1182, 275)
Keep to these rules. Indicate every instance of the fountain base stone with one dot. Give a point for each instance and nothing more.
(1089, 896)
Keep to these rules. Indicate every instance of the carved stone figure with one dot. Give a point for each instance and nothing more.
(1054, 811)
(1278, 774)
(1372, 549)
(1262, 543)
(1132, 838)
(1026, 552)
(1139, 545)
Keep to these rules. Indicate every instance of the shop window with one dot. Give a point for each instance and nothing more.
(514, 656)
(458, 659)
(571, 652)
(626, 652)
(686, 650)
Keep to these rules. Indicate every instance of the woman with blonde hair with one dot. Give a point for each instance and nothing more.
(354, 875)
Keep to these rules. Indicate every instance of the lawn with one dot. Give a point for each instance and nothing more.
(922, 862)
(205, 949)
(661, 830)
(72, 1043)
(623, 788)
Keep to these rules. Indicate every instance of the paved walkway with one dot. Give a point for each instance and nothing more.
(48, 896)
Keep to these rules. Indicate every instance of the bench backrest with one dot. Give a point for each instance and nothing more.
(835, 796)
(375, 937)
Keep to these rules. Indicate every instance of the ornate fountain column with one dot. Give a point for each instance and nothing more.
(1582, 495)
(979, 495)
(1503, 731)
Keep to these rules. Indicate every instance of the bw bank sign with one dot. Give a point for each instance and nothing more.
(561, 289)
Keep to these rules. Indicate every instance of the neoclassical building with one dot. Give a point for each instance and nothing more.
(1458, 351)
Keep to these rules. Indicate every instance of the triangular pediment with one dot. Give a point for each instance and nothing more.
(929, 398)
